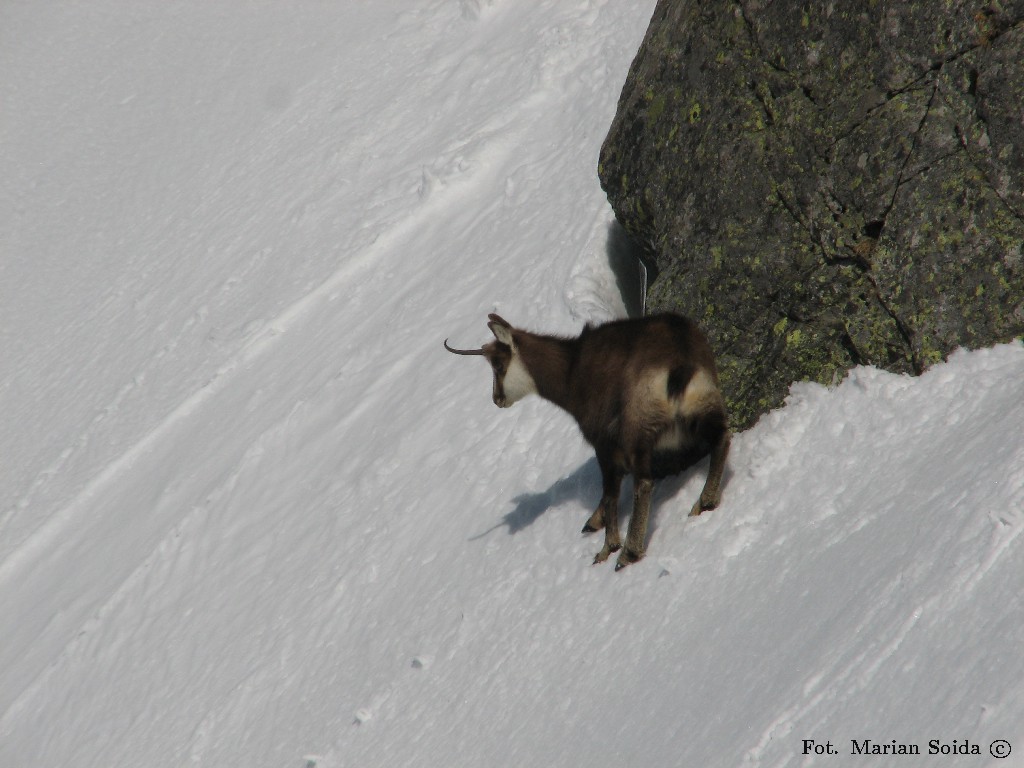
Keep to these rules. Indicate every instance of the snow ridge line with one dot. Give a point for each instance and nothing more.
(430, 207)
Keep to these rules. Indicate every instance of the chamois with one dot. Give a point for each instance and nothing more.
(645, 395)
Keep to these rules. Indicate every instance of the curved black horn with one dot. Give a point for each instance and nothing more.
(463, 351)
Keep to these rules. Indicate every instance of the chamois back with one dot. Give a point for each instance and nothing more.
(632, 380)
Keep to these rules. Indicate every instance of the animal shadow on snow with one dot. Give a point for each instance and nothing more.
(584, 487)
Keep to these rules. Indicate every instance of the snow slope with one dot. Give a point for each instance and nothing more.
(252, 514)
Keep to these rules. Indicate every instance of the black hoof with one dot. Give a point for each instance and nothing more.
(588, 528)
(627, 558)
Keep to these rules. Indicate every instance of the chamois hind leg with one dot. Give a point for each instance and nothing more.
(712, 493)
(607, 513)
(636, 536)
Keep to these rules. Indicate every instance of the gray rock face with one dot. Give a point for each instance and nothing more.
(827, 184)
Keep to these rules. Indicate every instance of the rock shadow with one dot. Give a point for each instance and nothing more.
(632, 267)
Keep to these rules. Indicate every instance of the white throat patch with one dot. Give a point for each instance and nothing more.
(518, 382)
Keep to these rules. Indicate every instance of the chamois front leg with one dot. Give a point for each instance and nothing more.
(609, 496)
(712, 493)
(636, 536)
(607, 512)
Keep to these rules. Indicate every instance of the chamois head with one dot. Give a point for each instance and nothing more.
(512, 381)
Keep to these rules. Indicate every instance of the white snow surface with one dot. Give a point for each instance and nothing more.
(253, 514)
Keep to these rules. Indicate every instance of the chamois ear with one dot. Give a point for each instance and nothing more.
(499, 320)
(501, 329)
